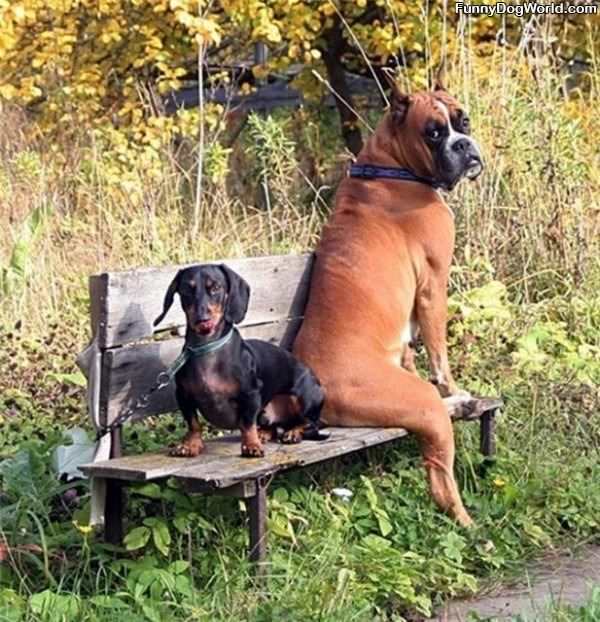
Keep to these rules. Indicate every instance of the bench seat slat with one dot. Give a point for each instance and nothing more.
(221, 464)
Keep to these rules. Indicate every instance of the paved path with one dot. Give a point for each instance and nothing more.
(560, 579)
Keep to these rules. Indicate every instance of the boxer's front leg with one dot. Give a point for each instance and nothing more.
(432, 316)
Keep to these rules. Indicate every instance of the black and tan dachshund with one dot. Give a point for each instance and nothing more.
(236, 383)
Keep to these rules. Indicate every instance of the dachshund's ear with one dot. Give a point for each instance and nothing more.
(238, 296)
(400, 101)
(168, 299)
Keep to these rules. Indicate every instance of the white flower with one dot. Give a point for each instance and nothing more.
(343, 493)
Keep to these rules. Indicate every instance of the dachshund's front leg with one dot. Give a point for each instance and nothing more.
(191, 445)
(250, 406)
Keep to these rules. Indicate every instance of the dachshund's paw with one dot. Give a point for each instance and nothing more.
(267, 434)
(252, 450)
(190, 447)
(293, 436)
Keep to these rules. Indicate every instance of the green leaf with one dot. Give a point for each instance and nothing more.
(183, 585)
(161, 537)
(76, 379)
(281, 495)
(166, 579)
(144, 581)
(151, 613)
(137, 538)
(179, 566)
(12, 605)
(149, 490)
(385, 527)
(53, 606)
(182, 523)
(109, 602)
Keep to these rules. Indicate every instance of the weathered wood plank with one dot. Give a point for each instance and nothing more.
(129, 371)
(221, 465)
(126, 303)
(227, 471)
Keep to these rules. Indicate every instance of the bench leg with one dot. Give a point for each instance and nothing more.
(487, 434)
(257, 510)
(113, 514)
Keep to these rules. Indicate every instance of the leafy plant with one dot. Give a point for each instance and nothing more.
(15, 273)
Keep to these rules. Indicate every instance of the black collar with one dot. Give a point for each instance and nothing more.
(372, 171)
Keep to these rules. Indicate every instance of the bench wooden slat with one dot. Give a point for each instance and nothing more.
(221, 464)
(124, 304)
(128, 372)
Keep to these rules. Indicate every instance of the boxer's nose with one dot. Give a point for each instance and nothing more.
(461, 145)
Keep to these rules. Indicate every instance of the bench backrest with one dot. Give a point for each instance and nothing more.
(124, 305)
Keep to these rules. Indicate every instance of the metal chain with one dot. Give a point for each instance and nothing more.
(162, 380)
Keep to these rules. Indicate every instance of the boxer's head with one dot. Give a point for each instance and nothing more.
(430, 134)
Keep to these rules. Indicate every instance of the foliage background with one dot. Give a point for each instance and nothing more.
(94, 177)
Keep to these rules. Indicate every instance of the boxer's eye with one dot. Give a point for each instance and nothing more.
(434, 133)
(466, 125)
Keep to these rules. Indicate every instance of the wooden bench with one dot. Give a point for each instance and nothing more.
(132, 354)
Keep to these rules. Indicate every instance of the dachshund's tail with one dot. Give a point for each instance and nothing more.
(314, 432)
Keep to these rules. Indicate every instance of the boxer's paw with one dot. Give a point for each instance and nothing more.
(252, 450)
(190, 447)
(462, 517)
(449, 389)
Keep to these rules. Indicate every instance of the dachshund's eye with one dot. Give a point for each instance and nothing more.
(215, 288)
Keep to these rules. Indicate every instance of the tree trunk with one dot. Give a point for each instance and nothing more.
(332, 56)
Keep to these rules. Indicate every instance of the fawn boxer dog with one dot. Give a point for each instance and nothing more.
(381, 276)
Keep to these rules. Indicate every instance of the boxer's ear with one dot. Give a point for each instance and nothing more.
(400, 101)
(440, 77)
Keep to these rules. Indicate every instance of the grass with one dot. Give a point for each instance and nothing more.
(525, 324)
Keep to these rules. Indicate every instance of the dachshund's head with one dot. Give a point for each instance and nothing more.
(211, 296)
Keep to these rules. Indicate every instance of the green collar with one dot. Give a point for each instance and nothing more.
(211, 346)
(189, 352)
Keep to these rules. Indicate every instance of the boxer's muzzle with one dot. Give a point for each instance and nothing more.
(458, 156)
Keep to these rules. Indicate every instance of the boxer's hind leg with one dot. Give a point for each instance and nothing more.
(392, 397)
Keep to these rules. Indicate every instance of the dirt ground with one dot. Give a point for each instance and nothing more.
(565, 579)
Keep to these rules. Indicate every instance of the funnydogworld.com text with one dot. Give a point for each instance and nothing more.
(527, 8)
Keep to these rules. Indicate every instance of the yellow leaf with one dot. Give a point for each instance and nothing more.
(8, 91)
(19, 13)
